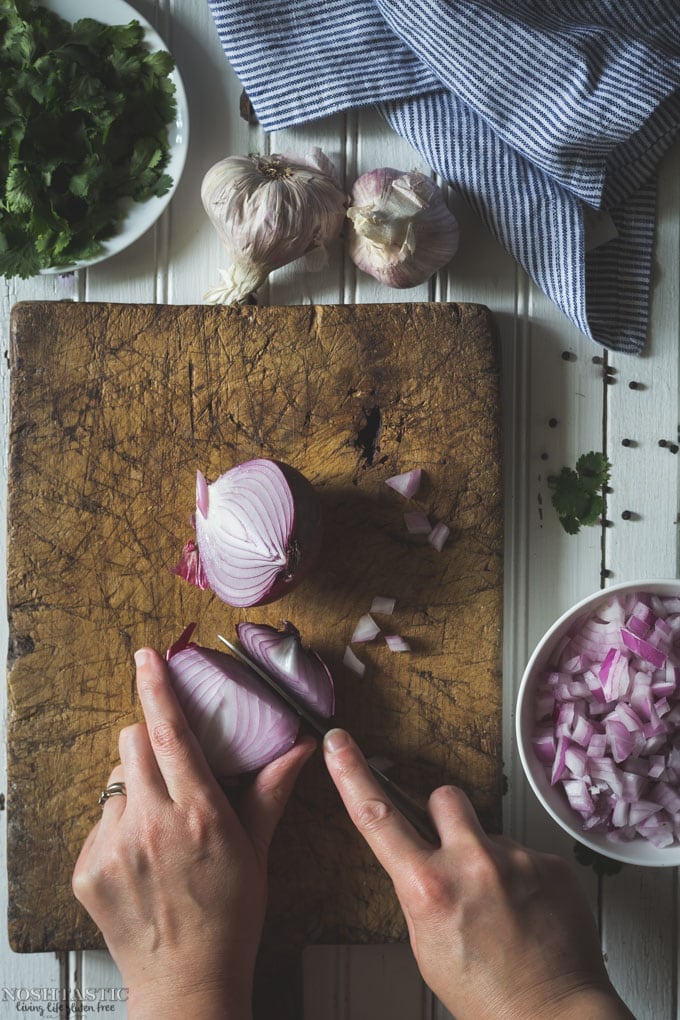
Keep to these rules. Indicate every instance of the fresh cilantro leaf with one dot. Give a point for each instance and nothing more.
(571, 524)
(19, 195)
(83, 127)
(577, 494)
(593, 469)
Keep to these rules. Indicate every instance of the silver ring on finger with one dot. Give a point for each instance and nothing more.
(112, 790)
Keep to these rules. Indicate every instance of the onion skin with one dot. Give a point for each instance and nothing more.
(258, 533)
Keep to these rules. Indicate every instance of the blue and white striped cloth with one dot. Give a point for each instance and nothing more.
(548, 116)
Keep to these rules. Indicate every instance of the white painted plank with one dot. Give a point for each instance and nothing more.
(366, 982)
(97, 979)
(639, 906)
(194, 250)
(558, 417)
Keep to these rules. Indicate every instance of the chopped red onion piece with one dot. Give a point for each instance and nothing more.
(638, 626)
(641, 809)
(657, 766)
(417, 523)
(396, 643)
(620, 813)
(559, 764)
(644, 649)
(365, 630)
(576, 761)
(381, 604)
(439, 535)
(544, 746)
(633, 787)
(578, 796)
(597, 745)
(407, 483)
(353, 662)
(583, 731)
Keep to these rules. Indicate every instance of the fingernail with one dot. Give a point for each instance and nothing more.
(335, 740)
(141, 657)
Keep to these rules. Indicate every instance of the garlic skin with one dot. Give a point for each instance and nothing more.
(268, 211)
(401, 229)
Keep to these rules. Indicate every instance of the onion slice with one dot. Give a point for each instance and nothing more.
(300, 670)
(258, 533)
(240, 724)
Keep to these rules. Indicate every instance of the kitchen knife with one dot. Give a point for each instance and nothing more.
(404, 802)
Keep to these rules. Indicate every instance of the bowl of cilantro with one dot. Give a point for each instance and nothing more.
(95, 133)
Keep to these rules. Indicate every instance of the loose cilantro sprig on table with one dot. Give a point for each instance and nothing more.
(577, 494)
(84, 110)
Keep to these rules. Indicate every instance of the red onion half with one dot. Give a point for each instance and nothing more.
(258, 533)
(240, 724)
(302, 671)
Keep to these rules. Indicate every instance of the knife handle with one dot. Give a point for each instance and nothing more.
(409, 807)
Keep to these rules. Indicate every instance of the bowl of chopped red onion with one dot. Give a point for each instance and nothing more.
(598, 722)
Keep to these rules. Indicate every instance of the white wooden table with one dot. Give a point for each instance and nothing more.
(563, 396)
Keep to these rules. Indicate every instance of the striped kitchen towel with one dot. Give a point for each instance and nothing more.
(548, 116)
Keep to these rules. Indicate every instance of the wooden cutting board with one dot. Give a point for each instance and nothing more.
(113, 409)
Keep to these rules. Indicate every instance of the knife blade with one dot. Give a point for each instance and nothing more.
(403, 801)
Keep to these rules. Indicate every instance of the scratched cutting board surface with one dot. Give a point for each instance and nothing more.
(113, 409)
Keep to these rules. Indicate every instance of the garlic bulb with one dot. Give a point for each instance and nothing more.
(268, 211)
(401, 228)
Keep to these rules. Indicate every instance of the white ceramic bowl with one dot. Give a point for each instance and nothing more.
(138, 216)
(553, 799)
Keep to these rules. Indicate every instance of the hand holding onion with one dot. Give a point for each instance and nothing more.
(173, 876)
(497, 930)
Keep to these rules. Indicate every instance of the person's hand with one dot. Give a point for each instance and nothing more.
(173, 876)
(499, 932)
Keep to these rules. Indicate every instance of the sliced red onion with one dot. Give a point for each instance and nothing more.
(353, 662)
(417, 523)
(281, 653)
(240, 724)
(258, 533)
(396, 643)
(381, 604)
(407, 483)
(439, 536)
(365, 630)
(608, 719)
